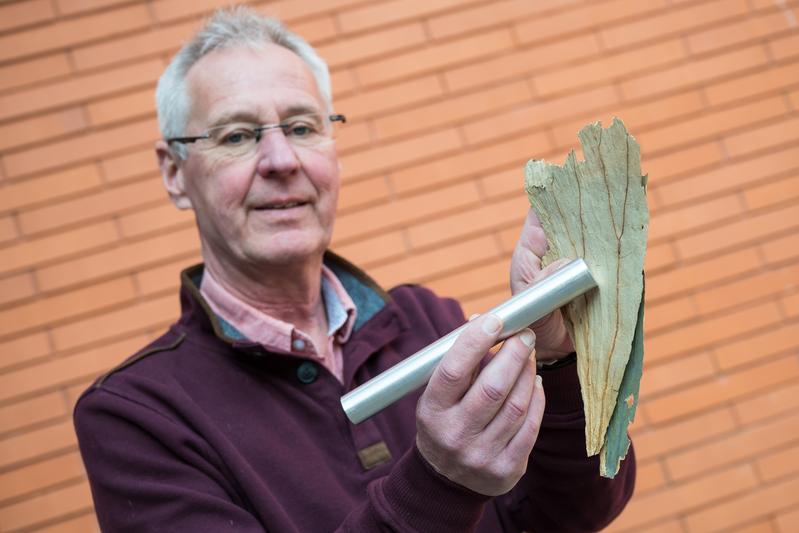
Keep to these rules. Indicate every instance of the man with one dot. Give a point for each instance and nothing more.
(231, 420)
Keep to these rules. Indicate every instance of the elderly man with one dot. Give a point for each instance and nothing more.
(231, 420)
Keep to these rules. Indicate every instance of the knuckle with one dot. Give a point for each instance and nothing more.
(450, 376)
(514, 411)
(491, 392)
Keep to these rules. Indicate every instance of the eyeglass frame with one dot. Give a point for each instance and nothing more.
(258, 131)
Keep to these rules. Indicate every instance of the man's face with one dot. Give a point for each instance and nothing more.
(277, 206)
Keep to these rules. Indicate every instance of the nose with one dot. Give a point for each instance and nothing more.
(276, 156)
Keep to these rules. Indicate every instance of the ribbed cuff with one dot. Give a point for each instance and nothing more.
(424, 500)
(562, 388)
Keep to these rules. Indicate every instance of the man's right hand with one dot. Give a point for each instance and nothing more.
(479, 432)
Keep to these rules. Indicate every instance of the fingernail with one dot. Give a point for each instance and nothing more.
(491, 325)
(527, 336)
(538, 382)
(472, 317)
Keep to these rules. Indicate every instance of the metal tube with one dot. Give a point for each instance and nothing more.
(516, 314)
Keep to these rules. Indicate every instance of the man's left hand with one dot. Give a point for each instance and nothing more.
(552, 339)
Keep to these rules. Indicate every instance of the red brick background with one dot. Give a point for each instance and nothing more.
(446, 100)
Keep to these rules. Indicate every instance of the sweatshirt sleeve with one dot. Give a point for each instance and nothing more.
(148, 474)
(562, 490)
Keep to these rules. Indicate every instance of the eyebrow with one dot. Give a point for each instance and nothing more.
(243, 115)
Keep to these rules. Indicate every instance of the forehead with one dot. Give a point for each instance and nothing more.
(264, 82)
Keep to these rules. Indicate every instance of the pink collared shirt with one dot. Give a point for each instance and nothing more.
(279, 336)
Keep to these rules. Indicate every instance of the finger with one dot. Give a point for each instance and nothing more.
(492, 386)
(533, 237)
(513, 412)
(453, 375)
(522, 443)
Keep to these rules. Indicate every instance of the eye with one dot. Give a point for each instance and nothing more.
(237, 137)
(300, 129)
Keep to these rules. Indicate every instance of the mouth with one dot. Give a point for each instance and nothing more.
(276, 206)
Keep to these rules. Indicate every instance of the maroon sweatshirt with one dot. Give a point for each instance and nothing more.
(205, 431)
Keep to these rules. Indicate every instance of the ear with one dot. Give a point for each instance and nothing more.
(172, 173)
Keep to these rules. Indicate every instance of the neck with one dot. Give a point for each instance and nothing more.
(291, 292)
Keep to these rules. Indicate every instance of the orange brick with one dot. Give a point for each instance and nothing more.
(782, 462)
(43, 311)
(767, 79)
(712, 124)
(790, 303)
(521, 62)
(41, 128)
(71, 393)
(117, 260)
(749, 289)
(163, 278)
(779, 249)
(748, 443)
(374, 250)
(473, 281)
(672, 374)
(664, 440)
(362, 193)
(639, 116)
(772, 193)
(131, 165)
(80, 148)
(694, 274)
(172, 9)
(68, 32)
(23, 349)
(50, 439)
(474, 162)
(24, 14)
(398, 214)
(80, 89)
(787, 520)
(685, 161)
(694, 72)
(132, 319)
(685, 497)
(747, 506)
(676, 20)
(785, 47)
(32, 252)
(71, 7)
(47, 506)
(502, 182)
(776, 401)
(649, 477)
(735, 175)
(21, 73)
(536, 115)
(468, 19)
(724, 388)
(659, 257)
(399, 153)
(751, 28)
(479, 219)
(31, 411)
(482, 303)
(610, 66)
(435, 56)
(148, 42)
(161, 217)
(104, 202)
(41, 474)
(508, 238)
(80, 524)
(354, 136)
(343, 81)
(667, 223)
(372, 15)
(758, 346)
(358, 49)
(317, 29)
(739, 233)
(8, 229)
(664, 525)
(762, 137)
(118, 108)
(52, 186)
(17, 287)
(444, 112)
(377, 101)
(586, 17)
(418, 268)
(794, 98)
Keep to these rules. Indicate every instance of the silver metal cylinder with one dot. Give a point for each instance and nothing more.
(516, 313)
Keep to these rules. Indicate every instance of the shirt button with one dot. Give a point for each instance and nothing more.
(307, 372)
(298, 344)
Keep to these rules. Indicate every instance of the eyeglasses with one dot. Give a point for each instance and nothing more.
(240, 139)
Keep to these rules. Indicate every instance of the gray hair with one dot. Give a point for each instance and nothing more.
(227, 28)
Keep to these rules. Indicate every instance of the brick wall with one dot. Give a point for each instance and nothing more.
(447, 99)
